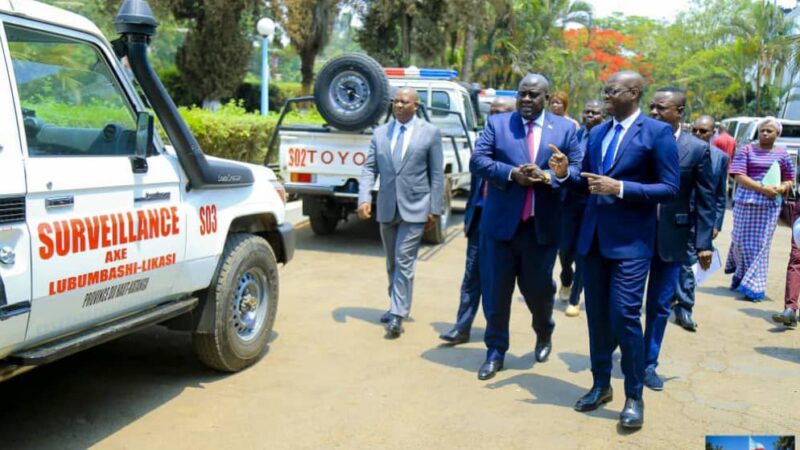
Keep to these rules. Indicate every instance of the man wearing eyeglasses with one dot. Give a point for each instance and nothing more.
(521, 221)
(683, 223)
(407, 155)
(631, 165)
(703, 129)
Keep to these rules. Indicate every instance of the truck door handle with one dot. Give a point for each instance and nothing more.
(59, 202)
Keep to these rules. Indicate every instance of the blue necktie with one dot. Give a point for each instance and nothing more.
(608, 159)
(397, 151)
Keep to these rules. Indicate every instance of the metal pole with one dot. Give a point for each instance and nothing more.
(265, 76)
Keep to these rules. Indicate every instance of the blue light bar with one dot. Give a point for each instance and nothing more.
(505, 93)
(446, 74)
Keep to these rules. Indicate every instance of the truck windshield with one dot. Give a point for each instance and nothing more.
(72, 105)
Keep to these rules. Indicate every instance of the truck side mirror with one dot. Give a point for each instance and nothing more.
(144, 138)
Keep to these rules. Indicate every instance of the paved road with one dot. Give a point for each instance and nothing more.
(331, 380)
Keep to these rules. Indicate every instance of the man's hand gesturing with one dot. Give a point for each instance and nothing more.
(559, 163)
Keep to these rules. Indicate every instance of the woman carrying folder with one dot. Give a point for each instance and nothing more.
(757, 204)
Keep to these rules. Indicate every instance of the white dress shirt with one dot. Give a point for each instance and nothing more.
(406, 137)
(626, 125)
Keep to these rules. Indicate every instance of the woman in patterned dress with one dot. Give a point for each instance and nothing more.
(756, 209)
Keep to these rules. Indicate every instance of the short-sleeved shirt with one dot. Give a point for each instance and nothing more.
(754, 163)
(726, 143)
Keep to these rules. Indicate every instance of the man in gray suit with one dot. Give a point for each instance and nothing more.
(407, 155)
(703, 129)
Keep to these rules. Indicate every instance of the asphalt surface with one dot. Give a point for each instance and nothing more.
(331, 379)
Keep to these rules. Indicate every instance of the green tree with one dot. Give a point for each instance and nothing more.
(308, 24)
(214, 58)
(784, 443)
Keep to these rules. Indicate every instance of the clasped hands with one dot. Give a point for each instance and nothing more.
(773, 191)
(598, 184)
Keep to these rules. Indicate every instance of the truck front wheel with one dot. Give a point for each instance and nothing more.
(245, 295)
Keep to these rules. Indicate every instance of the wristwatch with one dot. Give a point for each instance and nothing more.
(547, 177)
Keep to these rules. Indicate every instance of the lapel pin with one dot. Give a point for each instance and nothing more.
(549, 126)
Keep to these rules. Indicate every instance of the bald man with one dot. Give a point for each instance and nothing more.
(703, 129)
(631, 166)
(521, 222)
(471, 284)
(407, 154)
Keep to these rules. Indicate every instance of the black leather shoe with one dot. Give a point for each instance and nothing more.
(684, 319)
(542, 350)
(454, 337)
(595, 398)
(395, 327)
(632, 415)
(788, 317)
(489, 369)
(386, 317)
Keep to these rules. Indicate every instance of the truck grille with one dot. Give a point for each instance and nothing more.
(12, 210)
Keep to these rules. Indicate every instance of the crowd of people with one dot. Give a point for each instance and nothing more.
(631, 206)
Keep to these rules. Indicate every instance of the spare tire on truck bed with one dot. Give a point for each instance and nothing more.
(352, 92)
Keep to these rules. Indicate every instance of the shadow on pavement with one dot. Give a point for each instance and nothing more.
(80, 400)
(579, 363)
(369, 315)
(471, 358)
(551, 391)
(782, 353)
(759, 313)
(355, 237)
(722, 291)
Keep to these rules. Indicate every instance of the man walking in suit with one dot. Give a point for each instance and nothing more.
(471, 284)
(407, 155)
(574, 204)
(683, 223)
(631, 165)
(703, 129)
(521, 220)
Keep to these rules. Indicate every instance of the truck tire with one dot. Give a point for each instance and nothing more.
(352, 92)
(323, 224)
(245, 294)
(438, 233)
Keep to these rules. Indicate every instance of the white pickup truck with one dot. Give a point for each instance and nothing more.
(322, 164)
(104, 229)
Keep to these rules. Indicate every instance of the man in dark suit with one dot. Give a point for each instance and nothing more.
(574, 204)
(631, 165)
(703, 129)
(688, 218)
(471, 284)
(521, 222)
(407, 155)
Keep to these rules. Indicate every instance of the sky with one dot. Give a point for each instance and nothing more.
(664, 9)
(741, 442)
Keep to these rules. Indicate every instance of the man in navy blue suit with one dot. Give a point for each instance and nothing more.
(685, 221)
(631, 165)
(471, 284)
(521, 222)
(574, 204)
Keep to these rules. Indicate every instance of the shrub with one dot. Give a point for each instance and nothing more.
(231, 132)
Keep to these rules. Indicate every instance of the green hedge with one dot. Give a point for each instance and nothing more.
(231, 132)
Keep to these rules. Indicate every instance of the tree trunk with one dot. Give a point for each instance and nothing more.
(307, 71)
(406, 40)
(469, 53)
